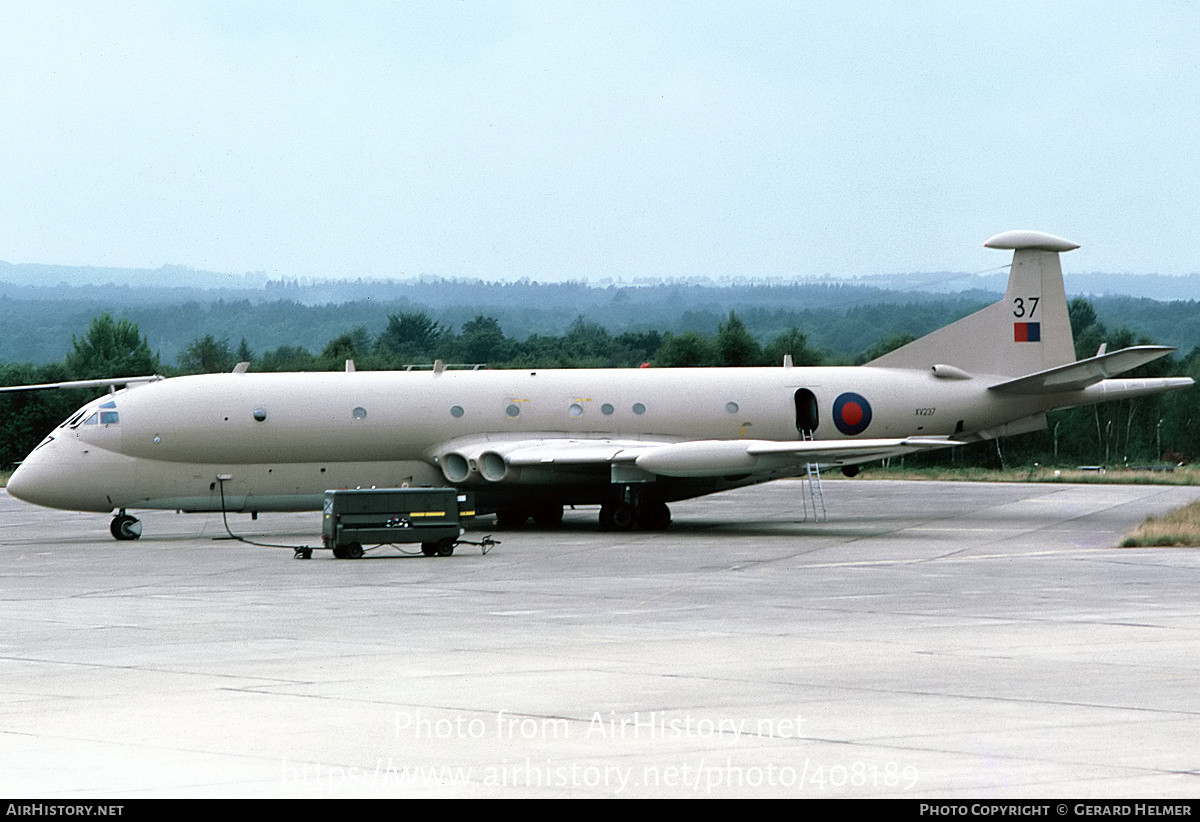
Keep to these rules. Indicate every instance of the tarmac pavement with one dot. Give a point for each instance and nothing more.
(931, 639)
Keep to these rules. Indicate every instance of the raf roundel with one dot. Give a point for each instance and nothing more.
(851, 413)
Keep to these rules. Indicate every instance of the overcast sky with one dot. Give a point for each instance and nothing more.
(564, 140)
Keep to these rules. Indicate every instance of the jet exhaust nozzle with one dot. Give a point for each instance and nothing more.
(459, 467)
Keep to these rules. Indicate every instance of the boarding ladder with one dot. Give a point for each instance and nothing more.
(815, 497)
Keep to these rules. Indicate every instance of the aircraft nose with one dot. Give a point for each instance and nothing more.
(28, 483)
(47, 477)
(72, 475)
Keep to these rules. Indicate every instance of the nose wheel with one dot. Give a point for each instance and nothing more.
(125, 527)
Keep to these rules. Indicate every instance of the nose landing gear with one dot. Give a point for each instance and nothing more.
(125, 527)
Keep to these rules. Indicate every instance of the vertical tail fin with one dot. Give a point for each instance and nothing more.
(1028, 331)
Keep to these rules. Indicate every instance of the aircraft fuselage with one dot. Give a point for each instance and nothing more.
(280, 440)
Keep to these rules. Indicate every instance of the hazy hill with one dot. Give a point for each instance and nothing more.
(43, 306)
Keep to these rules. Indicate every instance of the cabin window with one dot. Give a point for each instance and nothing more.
(456, 411)
(513, 410)
(731, 407)
(607, 409)
(638, 408)
(260, 414)
(575, 410)
(360, 413)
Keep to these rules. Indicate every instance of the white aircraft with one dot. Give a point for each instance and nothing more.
(528, 442)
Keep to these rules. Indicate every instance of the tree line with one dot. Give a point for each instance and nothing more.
(1138, 430)
(415, 338)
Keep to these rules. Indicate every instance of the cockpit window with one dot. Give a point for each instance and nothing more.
(107, 415)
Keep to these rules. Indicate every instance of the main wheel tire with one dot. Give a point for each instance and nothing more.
(654, 516)
(617, 517)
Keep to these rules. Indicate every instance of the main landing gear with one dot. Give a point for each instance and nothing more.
(125, 527)
(623, 516)
(623, 510)
(630, 509)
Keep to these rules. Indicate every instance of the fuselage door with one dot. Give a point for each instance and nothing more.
(806, 411)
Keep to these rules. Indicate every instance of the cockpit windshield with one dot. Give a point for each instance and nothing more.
(103, 414)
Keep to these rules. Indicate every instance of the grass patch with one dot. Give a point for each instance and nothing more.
(1181, 527)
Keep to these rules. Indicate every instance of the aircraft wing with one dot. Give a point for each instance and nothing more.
(700, 458)
(704, 458)
(1077, 375)
(105, 383)
(553, 451)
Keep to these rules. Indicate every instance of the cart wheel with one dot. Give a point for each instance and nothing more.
(339, 552)
(354, 550)
(429, 549)
(445, 548)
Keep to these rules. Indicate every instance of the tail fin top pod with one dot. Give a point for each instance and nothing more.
(1028, 331)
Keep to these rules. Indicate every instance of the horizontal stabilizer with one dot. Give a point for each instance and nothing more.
(107, 383)
(1078, 375)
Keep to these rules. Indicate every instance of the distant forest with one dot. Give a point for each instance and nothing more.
(842, 320)
(80, 332)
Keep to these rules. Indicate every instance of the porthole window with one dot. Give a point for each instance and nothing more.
(607, 409)
(731, 407)
(638, 408)
(512, 410)
(575, 410)
(360, 413)
(260, 414)
(456, 410)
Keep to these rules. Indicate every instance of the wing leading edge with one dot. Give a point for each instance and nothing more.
(700, 458)
(106, 383)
